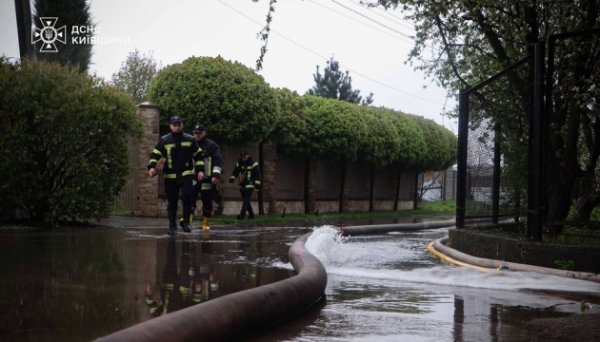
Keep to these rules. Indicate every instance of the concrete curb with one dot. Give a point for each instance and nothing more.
(232, 316)
(450, 255)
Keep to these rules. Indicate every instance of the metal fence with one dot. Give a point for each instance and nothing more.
(495, 178)
(492, 175)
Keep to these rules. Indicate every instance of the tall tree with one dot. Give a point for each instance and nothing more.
(336, 84)
(135, 75)
(472, 40)
(71, 47)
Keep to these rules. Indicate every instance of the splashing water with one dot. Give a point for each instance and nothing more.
(383, 262)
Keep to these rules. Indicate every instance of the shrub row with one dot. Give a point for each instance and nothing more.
(239, 107)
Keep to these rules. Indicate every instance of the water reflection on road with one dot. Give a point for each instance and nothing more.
(82, 284)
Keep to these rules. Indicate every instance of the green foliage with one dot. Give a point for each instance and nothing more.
(473, 40)
(410, 135)
(135, 75)
(440, 146)
(334, 129)
(328, 128)
(565, 264)
(336, 84)
(381, 145)
(69, 13)
(235, 103)
(64, 138)
(288, 125)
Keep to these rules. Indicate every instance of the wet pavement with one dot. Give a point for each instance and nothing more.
(79, 284)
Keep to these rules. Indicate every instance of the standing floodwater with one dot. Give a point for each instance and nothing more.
(75, 285)
(388, 288)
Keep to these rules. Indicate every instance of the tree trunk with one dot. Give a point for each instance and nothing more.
(372, 189)
(397, 192)
(310, 188)
(343, 197)
(587, 197)
(416, 192)
(261, 207)
(269, 171)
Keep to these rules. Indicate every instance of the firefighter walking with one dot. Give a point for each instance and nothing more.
(207, 186)
(247, 173)
(183, 163)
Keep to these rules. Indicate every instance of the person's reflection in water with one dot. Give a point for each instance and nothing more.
(181, 286)
(173, 291)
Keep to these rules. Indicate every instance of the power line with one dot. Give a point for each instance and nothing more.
(372, 20)
(325, 58)
(374, 9)
(360, 22)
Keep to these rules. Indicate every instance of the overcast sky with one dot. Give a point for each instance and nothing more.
(371, 43)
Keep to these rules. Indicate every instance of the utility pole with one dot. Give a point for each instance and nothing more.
(23, 13)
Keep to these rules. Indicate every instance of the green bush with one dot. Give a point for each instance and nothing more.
(64, 142)
(381, 145)
(439, 152)
(334, 129)
(288, 126)
(235, 103)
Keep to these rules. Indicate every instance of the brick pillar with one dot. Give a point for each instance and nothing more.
(147, 192)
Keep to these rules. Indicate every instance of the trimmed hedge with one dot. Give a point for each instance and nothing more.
(239, 107)
(232, 101)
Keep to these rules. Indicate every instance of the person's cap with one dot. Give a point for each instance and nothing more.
(175, 119)
(243, 153)
(199, 128)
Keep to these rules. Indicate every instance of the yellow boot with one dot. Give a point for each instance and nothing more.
(205, 225)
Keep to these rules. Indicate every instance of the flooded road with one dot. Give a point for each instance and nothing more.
(75, 285)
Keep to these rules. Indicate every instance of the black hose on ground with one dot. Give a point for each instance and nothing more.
(234, 315)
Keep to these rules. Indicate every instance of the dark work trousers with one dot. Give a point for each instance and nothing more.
(206, 195)
(246, 204)
(172, 188)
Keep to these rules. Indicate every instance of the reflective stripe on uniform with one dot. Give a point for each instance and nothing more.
(168, 147)
(157, 152)
(208, 166)
(186, 143)
(206, 186)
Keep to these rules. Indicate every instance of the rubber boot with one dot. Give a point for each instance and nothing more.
(182, 221)
(185, 225)
(172, 223)
(205, 225)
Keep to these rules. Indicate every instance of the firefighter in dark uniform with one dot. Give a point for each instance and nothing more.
(183, 162)
(247, 173)
(207, 186)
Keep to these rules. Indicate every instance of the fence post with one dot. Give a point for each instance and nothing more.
(534, 220)
(147, 192)
(496, 176)
(461, 176)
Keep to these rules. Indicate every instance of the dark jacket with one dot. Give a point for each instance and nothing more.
(212, 157)
(247, 172)
(183, 156)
